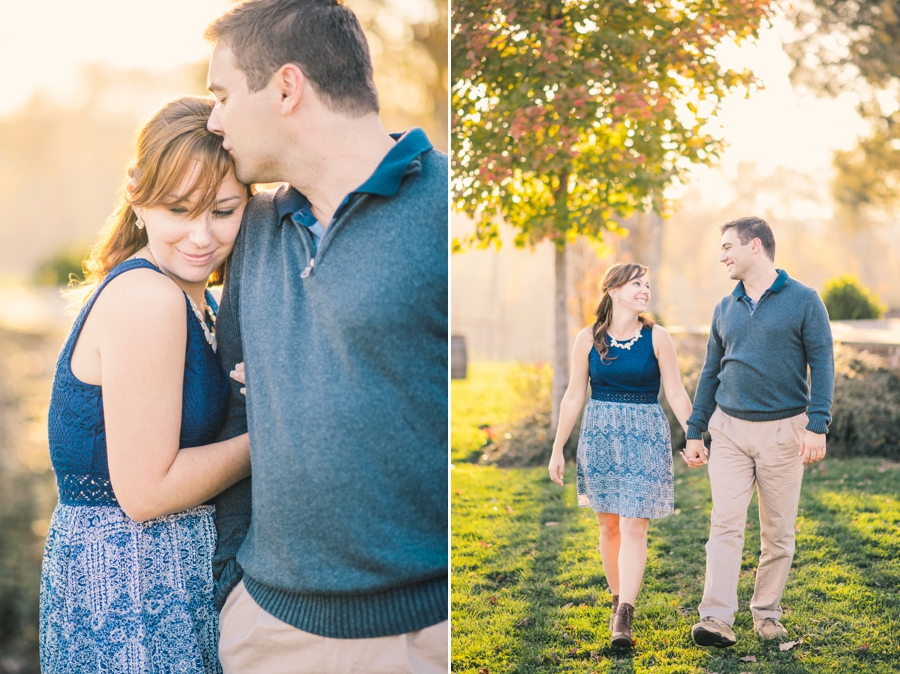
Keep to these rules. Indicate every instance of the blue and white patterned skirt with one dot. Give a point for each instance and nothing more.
(625, 460)
(122, 597)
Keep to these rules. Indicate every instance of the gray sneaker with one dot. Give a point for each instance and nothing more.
(713, 632)
(770, 629)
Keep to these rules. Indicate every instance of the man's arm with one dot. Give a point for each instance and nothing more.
(233, 506)
(819, 347)
(705, 397)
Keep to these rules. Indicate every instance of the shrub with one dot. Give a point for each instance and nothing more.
(527, 439)
(61, 267)
(866, 410)
(847, 300)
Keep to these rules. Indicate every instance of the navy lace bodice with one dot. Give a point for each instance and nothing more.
(632, 376)
(76, 426)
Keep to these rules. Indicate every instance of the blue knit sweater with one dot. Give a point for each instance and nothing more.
(346, 371)
(757, 358)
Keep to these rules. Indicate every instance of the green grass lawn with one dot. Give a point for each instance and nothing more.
(529, 593)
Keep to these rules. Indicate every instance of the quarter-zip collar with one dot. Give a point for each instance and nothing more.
(384, 181)
(780, 282)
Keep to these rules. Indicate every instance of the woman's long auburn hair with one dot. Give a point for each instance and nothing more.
(167, 145)
(615, 277)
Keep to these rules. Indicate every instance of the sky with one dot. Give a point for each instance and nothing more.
(778, 125)
(43, 45)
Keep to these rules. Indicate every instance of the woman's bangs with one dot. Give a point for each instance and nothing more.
(207, 164)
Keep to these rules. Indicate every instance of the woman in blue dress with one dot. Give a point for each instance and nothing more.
(624, 459)
(138, 398)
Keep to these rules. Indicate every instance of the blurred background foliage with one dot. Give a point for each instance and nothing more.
(865, 412)
(848, 300)
(61, 165)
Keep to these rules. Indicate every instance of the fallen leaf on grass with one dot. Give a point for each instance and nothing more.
(596, 656)
(787, 645)
(573, 651)
(550, 524)
(748, 658)
(509, 510)
(864, 647)
(484, 670)
(569, 605)
(493, 601)
(485, 545)
(525, 622)
(555, 657)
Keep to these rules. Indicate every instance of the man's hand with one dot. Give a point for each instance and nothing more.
(812, 449)
(694, 453)
(557, 467)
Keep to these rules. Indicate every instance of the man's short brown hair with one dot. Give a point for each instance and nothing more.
(322, 37)
(750, 228)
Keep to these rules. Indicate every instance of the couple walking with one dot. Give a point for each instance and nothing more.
(165, 554)
(765, 422)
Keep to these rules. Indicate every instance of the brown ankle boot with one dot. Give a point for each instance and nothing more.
(612, 617)
(621, 633)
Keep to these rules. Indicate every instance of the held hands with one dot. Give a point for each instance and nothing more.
(557, 467)
(695, 453)
(812, 449)
(238, 375)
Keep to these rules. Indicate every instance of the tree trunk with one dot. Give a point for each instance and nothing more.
(560, 335)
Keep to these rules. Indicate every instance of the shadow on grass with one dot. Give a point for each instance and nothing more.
(557, 628)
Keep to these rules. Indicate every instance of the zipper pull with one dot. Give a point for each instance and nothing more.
(309, 268)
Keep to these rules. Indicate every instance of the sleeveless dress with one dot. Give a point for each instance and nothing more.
(624, 458)
(119, 596)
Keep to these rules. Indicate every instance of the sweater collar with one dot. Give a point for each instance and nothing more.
(776, 287)
(384, 181)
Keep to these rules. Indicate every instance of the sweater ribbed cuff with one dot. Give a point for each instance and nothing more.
(694, 432)
(818, 425)
(378, 614)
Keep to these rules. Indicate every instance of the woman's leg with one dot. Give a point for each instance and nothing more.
(609, 549)
(632, 557)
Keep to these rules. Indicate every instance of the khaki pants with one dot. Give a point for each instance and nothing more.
(766, 453)
(253, 641)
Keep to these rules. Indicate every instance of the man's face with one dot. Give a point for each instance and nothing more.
(737, 257)
(247, 121)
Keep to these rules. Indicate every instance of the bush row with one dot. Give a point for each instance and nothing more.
(866, 412)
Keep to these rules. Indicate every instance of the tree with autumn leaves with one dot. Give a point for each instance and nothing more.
(569, 116)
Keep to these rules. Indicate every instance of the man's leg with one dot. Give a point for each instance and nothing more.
(731, 476)
(779, 474)
(253, 641)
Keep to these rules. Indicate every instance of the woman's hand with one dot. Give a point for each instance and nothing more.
(238, 375)
(557, 468)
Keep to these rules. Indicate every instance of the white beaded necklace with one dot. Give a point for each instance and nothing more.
(626, 345)
(209, 334)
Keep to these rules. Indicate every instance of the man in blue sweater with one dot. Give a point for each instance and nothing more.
(765, 421)
(336, 301)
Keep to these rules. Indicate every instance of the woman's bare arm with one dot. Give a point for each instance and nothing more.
(141, 338)
(572, 402)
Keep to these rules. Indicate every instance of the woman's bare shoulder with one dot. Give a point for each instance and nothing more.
(141, 295)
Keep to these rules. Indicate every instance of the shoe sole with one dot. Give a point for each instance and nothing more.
(704, 638)
(622, 642)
